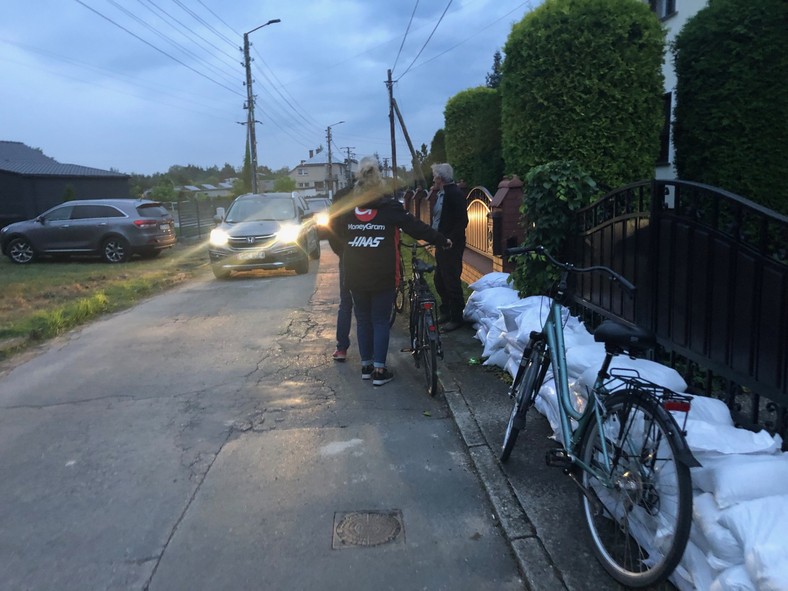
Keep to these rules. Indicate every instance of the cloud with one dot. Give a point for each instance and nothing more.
(142, 87)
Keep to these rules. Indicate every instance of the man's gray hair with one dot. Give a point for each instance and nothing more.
(443, 170)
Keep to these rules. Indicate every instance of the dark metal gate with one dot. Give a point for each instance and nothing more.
(712, 276)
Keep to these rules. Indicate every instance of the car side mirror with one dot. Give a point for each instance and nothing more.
(40, 219)
(217, 219)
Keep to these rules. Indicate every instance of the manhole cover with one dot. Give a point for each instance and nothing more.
(367, 528)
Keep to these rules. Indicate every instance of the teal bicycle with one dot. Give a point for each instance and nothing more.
(624, 449)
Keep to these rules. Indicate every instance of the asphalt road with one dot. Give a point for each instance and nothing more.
(206, 440)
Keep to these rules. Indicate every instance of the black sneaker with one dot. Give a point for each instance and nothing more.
(366, 372)
(381, 376)
(450, 326)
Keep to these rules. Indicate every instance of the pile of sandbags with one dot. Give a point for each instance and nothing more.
(740, 514)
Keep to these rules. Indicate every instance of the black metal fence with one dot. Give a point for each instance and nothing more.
(712, 276)
(194, 215)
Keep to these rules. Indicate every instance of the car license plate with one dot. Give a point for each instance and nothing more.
(245, 256)
(165, 227)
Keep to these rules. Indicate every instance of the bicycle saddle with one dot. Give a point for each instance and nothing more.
(423, 267)
(624, 337)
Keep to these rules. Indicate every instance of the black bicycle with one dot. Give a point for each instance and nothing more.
(425, 338)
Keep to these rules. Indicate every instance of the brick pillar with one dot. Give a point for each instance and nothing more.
(506, 206)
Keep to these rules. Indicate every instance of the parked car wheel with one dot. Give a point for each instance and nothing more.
(21, 251)
(115, 250)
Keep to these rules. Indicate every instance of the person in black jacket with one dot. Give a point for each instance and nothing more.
(366, 230)
(345, 310)
(450, 217)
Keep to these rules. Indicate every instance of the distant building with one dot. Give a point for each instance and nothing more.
(312, 177)
(31, 183)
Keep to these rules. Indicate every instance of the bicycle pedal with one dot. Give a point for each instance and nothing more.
(558, 458)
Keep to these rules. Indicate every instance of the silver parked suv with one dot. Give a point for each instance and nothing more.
(113, 229)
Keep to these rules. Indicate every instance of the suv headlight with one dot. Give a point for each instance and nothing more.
(218, 237)
(288, 233)
(321, 219)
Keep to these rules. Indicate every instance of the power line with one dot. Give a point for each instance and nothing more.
(151, 45)
(412, 14)
(445, 10)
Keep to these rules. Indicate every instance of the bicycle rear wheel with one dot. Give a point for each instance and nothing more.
(398, 305)
(429, 351)
(640, 522)
(524, 391)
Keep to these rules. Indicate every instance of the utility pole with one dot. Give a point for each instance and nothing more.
(250, 120)
(348, 172)
(330, 163)
(390, 86)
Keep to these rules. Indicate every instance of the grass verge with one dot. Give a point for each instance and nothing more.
(47, 298)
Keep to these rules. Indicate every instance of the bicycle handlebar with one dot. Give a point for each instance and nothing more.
(541, 250)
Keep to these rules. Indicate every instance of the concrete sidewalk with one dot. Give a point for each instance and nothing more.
(538, 506)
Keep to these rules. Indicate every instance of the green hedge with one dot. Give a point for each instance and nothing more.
(582, 80)
(731, 115)
(473, 136)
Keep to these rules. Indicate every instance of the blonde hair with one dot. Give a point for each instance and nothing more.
(368, 174)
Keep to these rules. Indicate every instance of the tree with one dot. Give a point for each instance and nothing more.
(473, 136)
(284, 184)
(582, 81)
(164, 191)
(493, 79)
(731, 115)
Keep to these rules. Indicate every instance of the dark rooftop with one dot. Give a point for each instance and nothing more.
(18, 158)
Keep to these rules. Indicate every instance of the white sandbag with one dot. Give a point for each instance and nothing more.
(547, 404)
(710, 410)
(735, 578)
(481, 332)
(736, 478)
(693, 572)
(511, 312)
(580, 358)
(577, 336)
(724, 550)
(761, 526)
(494, 279)
(496, 338)
(703, 437)
(498, 359)
(651, 371)
(512, 364)
(487, 302)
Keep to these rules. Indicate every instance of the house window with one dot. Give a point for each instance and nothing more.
(663, 8)
(664, 135)
(302, 171)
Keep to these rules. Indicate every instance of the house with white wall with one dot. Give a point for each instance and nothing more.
(674, 14)
(312, 176)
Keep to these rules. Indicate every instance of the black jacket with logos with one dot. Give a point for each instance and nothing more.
(369, 237)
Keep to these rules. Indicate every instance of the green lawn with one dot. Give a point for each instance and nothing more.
(47, 298)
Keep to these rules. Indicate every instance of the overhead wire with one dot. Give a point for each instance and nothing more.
(435, 28)
(405, 36)
(154, 47)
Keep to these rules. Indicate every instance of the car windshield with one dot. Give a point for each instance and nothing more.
(152, 210)
(252, 210)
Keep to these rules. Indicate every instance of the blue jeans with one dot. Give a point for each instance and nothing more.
(345, 312)
(373, 309)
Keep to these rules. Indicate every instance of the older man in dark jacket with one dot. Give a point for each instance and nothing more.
(450, 218)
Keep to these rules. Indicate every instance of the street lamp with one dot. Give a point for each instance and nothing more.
(250, 120)
(330, 164)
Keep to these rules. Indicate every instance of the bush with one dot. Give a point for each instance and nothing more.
(551, 194)
(473, 136)
(731, 115)
(582, 80)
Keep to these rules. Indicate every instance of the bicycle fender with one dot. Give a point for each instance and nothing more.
(684, 454)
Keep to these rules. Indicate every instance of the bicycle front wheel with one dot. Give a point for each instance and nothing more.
(524, 391)
(639, 519)
(429, 352)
